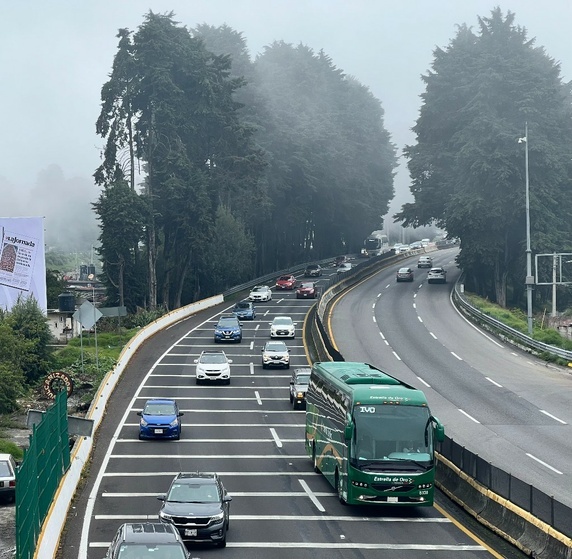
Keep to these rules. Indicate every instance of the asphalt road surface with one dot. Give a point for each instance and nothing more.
(249, 434)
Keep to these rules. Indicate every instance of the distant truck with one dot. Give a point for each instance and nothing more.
(376, 243)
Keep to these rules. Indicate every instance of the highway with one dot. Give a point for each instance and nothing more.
(512, 409)
(248, 433)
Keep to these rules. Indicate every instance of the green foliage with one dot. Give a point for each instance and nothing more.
(467, 167)
(8, 447)
(143, 317)
(55, 285)
(28, 322)
(11, 384)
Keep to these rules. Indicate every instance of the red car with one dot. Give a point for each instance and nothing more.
(286, 282)
(307, 291)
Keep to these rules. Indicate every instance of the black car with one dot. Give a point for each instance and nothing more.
(313, 271)
(147, 539)
(198, 506)
(299, 386)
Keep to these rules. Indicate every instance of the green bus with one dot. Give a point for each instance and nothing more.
(371, 435)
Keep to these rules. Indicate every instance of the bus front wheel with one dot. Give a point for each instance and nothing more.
(339, 488)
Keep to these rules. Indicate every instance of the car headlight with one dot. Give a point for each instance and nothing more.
(174, 423)
(165, 516)
(143, 423)
(218, 517)
(299, 394)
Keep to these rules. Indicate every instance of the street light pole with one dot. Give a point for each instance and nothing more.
(529, 278)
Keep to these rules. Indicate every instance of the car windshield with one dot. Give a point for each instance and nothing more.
(284, 278)
(156, 551)
(275, 346)
(312, 267)
(404, 270)
(193, 492)
(242, 306)
(258, 289)
(303, 378)
(307, 286)
(5, 469)
(213, 358)
(159, 409)
(227, 322)
(282, 321)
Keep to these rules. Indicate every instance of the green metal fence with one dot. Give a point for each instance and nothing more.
(37, 479)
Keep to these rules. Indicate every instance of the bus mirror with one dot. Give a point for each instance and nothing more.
(439, 431)
(348, 431)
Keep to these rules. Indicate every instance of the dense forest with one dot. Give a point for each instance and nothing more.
(218, 168)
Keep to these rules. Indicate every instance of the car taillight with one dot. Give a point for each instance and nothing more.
(12, 483)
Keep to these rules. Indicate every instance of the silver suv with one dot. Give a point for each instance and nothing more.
(425, 262)
(213, 365)
(437, 275)
(275, 354)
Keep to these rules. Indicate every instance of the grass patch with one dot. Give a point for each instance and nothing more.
(8, 447)
(516, 319)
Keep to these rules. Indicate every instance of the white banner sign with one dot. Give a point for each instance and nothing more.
(22, 260)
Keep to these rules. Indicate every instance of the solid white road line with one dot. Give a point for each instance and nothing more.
(276, 437)
(553, 417)
(544, 464)
(424, 382)
(312, 495)
(470, 417)
(494, 382)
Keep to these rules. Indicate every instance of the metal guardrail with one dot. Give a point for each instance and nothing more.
(505, 331)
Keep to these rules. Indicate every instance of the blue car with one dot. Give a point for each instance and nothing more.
(228, 329)
(160, 419)
(244, 310)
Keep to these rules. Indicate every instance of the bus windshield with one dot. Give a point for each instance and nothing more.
(391, 437)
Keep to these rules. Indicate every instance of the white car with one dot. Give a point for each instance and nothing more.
(282, 327)
(275, 354)
(260, 293)
(212, 366)
(343, 268)
(437, 275)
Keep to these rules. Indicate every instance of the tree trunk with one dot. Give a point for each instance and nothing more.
(181, 282)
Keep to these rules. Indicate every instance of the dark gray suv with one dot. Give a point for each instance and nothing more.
(198, 506)
(147, 539)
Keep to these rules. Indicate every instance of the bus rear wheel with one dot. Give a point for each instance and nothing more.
(314, 459)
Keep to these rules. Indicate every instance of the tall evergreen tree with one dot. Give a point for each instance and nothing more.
(467, 168)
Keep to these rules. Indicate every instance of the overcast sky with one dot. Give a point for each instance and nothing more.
(55, 55)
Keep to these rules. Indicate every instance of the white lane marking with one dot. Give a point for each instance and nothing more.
(217, 456)
(455, 355)
(251, 345)
(494, 382)
(469, 416)
(234, 494)
(553, 417)
(399, 358)
(257, 395)
(424, 382)
(339, 545)
(305, 518)
(378, 295)
(219, 441)
(374, 319)
(258, 326)
(435, 337)
(312, 495)
(251, 368)
(414, 305)
(382, 336)
(174, 473)
(276, 437)
(373, 306)
(387, 286)
(544, 464)
(419, 319)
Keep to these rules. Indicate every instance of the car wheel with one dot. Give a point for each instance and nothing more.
(215, 341)
(178, 437)
(291, 397)
(227, 381)
(294, 406)
(263, 365)
(140, 437)
(315, 459)
(222, 543)
(288, 366)
(198, 381)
